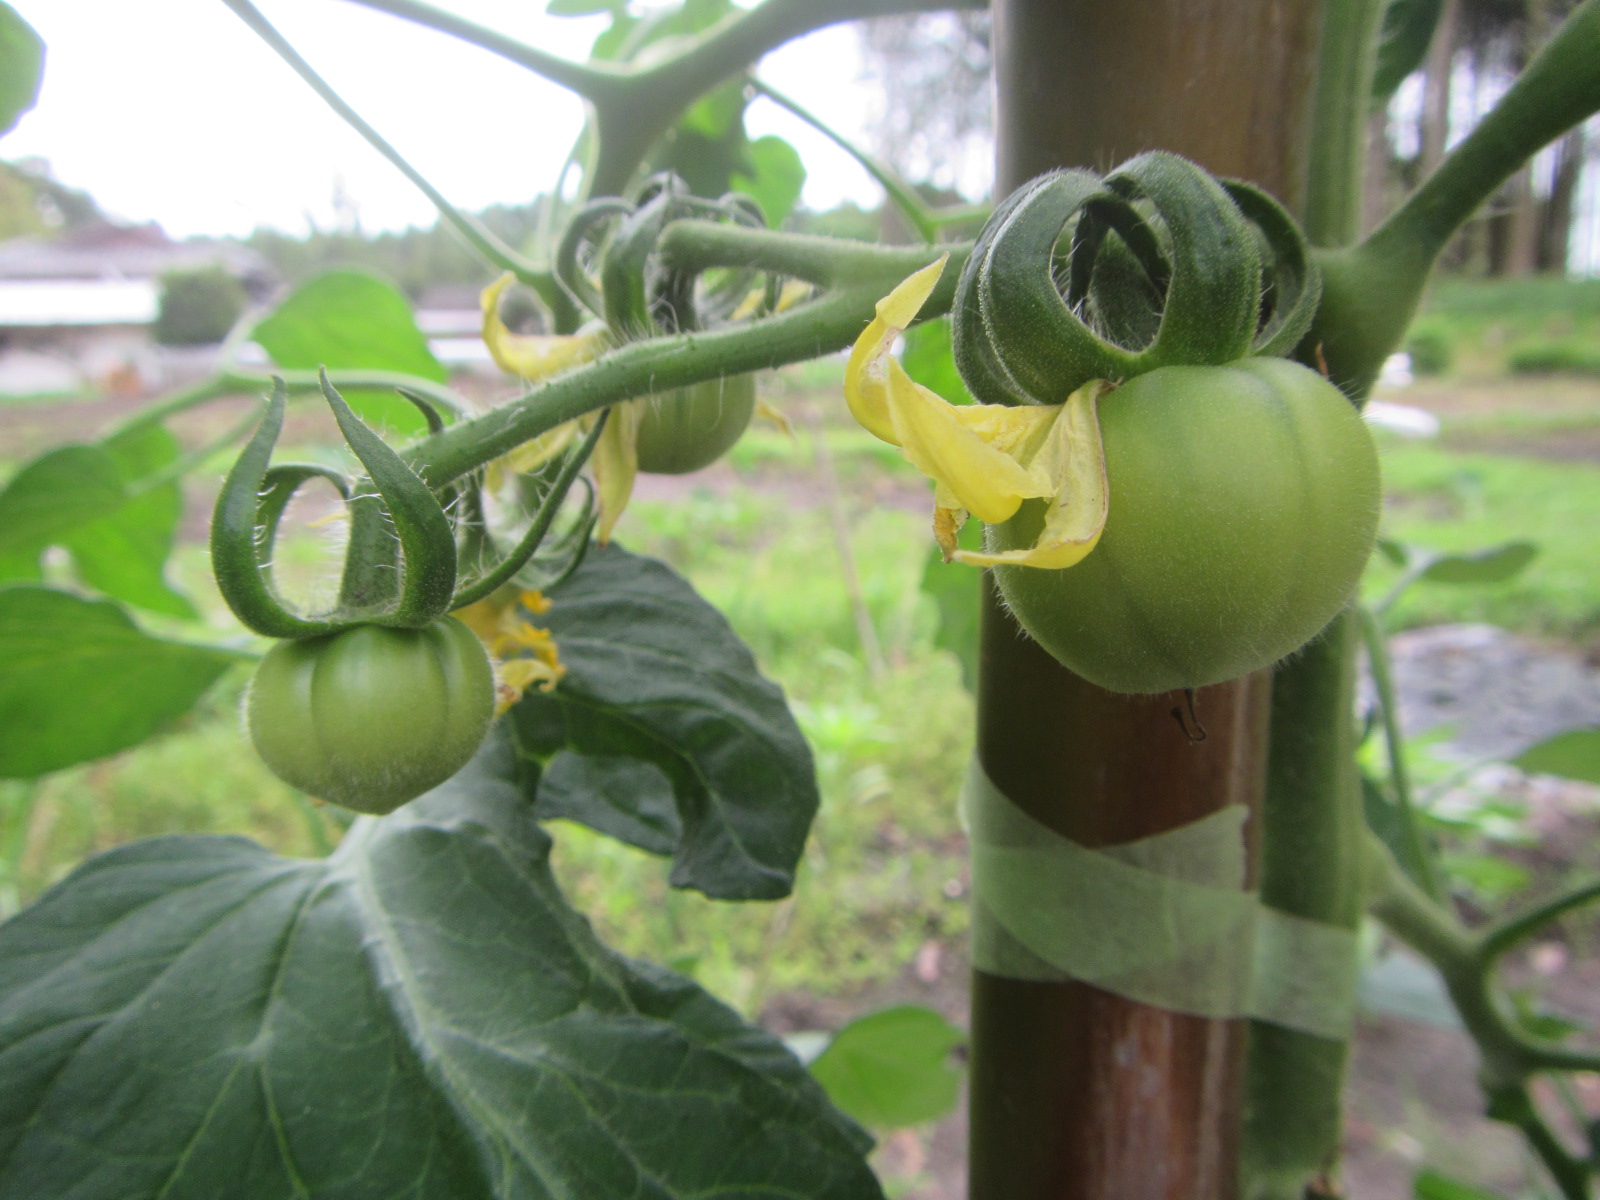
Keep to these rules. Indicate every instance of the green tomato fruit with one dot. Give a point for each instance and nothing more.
(691, 427)
(371, 717)
(1243, 506)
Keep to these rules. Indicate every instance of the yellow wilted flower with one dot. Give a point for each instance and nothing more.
(984, 459)
(524, 655)
(534, 358)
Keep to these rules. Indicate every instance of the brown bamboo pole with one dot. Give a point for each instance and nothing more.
(1078, 1094)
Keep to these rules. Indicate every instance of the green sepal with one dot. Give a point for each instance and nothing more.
(981, 370)
(1215, 295)
(428, 581)
(282, 481)
(503, 571)
(1291, 281)
(623, 287)
(237, 556)
(570, 272)
(1036, 339)
(1164, 266)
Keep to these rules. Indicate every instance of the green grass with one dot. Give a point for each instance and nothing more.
(1483, 325)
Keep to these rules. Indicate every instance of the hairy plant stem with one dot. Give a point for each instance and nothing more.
(634, 105)
(1348, 59)
(1371, 290)
(857, 275)
(1508, 1056)
(1313, 866)
(479, 238)
(1419, 853)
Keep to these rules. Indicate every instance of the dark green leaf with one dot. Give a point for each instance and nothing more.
(21, 67)
(124, 553)
(419, 1015)
(82, 681)
(61, 490)
(927, 358)
(350, 320)
(1497, 564)
(1430, 1185)
(655, 674)
(775, 177)
(892, 1068)
(1407, 29)
(954, 589)
(1574, 754)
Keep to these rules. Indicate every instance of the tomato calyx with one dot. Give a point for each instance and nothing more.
(1164, 265)
(400, 529)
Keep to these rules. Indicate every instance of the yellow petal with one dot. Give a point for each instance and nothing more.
(947, 523)
(866, 375)
(1074, 457)
(529, 356)
(981, 477)
(530, 456)
(765, 410)
(793, 292)
(616, 462)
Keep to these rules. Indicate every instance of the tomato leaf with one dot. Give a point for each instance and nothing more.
(1574, 754)
(420, 1014)
(1408, 27)
(1497, 564)
(350, 320)
(60, 491)
(928, 359)
(892, 1068)
(656, 675)
(81, 680)
(124, 553)
(775, 177)
(21, 67)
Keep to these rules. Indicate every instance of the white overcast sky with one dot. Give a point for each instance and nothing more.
(173, 111)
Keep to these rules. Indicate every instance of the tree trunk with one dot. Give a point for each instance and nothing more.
(1434, 121)
(1078, 1093)
(1558, 212)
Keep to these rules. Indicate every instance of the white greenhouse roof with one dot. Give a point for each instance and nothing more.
(40, 302)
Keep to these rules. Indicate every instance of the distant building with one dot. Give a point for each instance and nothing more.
(76, 309)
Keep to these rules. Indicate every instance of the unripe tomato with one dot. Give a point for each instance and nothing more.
(691, 427)
(371, 717)
(1243, 506)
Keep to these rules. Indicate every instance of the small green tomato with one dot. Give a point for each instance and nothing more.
(691, 427)
(371, 717)
(1243, 506)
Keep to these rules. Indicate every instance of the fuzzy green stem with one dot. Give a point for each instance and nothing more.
(1502, 936)
(1418, 851)
(911, 205)
(1313, 866)
(1370, 292)
(819, 327)
(1343, 105)
(481, 240)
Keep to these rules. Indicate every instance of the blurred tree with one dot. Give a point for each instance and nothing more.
(934, 118)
